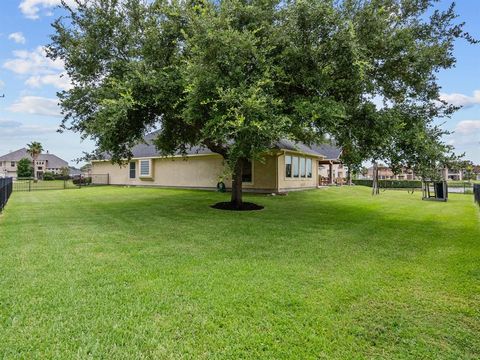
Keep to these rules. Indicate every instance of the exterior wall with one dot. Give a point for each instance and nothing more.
(202, 171)
(286, 184)
(7, 170)
(205, 171)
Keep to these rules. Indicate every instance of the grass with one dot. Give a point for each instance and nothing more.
(119, 273)
(33, 185)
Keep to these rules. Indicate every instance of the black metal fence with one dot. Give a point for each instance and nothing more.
(5, 191)
(30, 184)
(476, 193)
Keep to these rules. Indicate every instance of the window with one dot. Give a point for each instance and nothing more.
(295, 166)
(133, 175)
(12, 164)
(288, 166)
(247, 172)
(302, 167)
(145, 168)
(309, 168)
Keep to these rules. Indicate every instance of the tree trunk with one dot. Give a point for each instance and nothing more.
(375, 188)
(236, 199)
(33, 169)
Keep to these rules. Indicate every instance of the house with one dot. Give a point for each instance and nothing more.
(456, 175)
(45, 163)
(385, 173)
(288, 166)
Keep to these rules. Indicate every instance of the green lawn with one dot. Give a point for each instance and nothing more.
(119, 273)
(33, 185)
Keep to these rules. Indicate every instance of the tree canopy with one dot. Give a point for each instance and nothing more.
(34, 149)
(236, 76)
(24, 168)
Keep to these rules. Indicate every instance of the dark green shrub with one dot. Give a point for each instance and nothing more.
(82, 181)
(48, 176)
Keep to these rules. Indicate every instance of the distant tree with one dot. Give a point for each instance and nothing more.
(34, 149)
(24, 168)
(65, 171)
(236, 76)
(86, 167)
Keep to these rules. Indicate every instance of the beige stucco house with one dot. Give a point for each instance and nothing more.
(287, 167)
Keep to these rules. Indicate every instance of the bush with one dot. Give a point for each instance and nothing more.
(24, 168)
(48, 176)
(82, 181)
(391, 184)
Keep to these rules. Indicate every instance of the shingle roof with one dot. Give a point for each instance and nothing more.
(53, 160)
(148, 149)
(330, 151)
(16, 155)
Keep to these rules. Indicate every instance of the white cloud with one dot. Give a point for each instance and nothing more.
(31, 8)
(467, 127)
(466, 134)
(60, 81)
(461, 99)
(36, 105)
(33, 62)
(17, 37)
(2, 84)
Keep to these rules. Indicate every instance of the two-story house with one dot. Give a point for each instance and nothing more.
(45, 163)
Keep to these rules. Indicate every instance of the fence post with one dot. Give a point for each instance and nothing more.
(29, 184)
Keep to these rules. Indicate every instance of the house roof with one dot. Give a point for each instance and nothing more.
(147, 149)
(53, 160)
(330, 151)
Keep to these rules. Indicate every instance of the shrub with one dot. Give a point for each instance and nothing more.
(82, 181)
(48, 176)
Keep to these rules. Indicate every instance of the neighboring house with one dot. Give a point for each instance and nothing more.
(454, 174)
(74, 172)
(331, 169)
(287, 166)
(44, 163)
(385, 173)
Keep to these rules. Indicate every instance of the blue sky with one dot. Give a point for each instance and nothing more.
(30, 82)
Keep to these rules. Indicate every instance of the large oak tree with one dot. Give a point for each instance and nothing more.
(236, 76)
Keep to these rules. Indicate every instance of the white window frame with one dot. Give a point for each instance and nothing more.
(141, 174)
(295, 159)
(291, 166)
(301, 159)
(303, 167)
(309, 164)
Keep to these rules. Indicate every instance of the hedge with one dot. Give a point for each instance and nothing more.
(391, 184)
